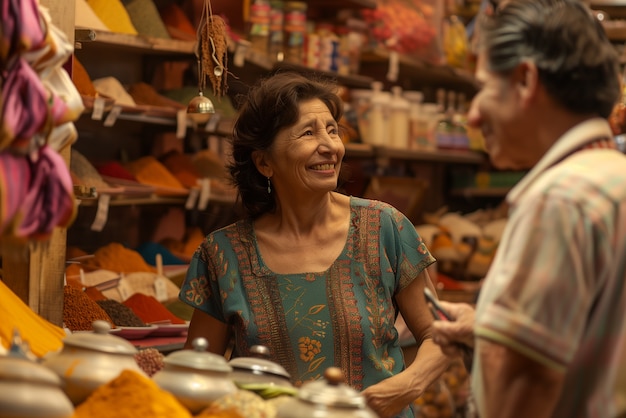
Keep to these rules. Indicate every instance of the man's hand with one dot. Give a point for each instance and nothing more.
(452, 335)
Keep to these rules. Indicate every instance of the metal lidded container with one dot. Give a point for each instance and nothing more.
(326, 398)
(257, 368)
(195, 377)
(89, 360)
(29, 390)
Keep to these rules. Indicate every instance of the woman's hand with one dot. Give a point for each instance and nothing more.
(389, 397)
(452, 335)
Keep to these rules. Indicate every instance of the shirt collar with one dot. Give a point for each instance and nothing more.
(574, 139)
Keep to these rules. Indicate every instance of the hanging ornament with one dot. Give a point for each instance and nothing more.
(213, 44)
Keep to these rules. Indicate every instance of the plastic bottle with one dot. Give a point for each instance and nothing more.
(295, 30)
(459, 119)
(431, 118)
(417, 124)
(378, 125)
(445, 127)
(398, 119)
(275, 46)
(259, 25)
(361, 103)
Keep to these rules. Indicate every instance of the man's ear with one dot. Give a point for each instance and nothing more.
(261, 163)
(526, 79)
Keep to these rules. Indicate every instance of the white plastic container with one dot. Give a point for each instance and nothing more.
(398, 119)
(361, 103)
(379, 123)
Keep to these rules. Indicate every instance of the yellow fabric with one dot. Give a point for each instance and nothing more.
(114, 15)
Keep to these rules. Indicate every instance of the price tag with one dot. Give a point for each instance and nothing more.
(192, 199)
(112, 116)
(239, 58)
(102, 213)
(98, 109)
(181, 123)
(160, 288)
(392, 71)
(205, 193)
(124, 288)
(211, 125)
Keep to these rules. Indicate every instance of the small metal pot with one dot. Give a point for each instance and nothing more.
(259, 369)
(195, 377)
(89, 360)
(327, 398)
(29, 390)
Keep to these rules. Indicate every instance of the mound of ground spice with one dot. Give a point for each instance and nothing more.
(149, 309)
(181, 166)
(121, 315)
(148, 170)
(131, 395)
(79, 310)
(116, 257)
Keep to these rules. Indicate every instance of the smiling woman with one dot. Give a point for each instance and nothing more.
(316, 276)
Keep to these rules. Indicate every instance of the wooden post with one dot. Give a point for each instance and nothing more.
(35, 272)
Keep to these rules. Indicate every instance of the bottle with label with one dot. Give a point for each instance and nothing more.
(378, 118)
(259, 25)
(461, 140)
(295, 31)
(275, 46)
(418, 126)
(445, 127)
(398, 119)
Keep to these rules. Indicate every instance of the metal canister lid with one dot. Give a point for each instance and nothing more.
(198, 358)
(259, 363)
(332, 391)
(100, 340)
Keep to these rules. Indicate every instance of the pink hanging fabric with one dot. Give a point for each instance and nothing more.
(14, 181)
(22, 28)
(49, 201)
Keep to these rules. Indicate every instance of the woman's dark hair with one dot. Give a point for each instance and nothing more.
(577, 63)
(269, 107)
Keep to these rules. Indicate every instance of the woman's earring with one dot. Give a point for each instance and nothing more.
(269, 186)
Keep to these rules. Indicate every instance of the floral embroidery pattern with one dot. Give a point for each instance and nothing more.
(308, 348)
(198, 291)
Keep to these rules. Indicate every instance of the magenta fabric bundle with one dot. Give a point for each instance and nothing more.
(14, 180)
(21, 28)
(24, 107)
(36, 194)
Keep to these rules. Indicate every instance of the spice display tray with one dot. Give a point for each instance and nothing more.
(135, 333)
(169, 330)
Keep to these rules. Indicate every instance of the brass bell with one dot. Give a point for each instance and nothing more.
(200, 104)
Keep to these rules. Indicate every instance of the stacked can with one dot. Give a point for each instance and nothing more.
(295, 30)
(312, 49)
(276, 30)
(329, 47)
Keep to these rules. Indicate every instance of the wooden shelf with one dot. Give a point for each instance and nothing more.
(343, 4)
(442, 156)
(358, 150)
(417, 71)
(158, 46)
(121, 200)
(469, 192)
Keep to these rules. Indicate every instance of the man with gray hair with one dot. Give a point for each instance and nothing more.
(549, 329)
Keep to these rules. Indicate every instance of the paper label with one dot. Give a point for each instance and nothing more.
(181, 123)
(98, 109)
(102, 213)
(205, 193)
(160, 288)
(392, 71)
(192, 199)
(124, 288)
(112, 116)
